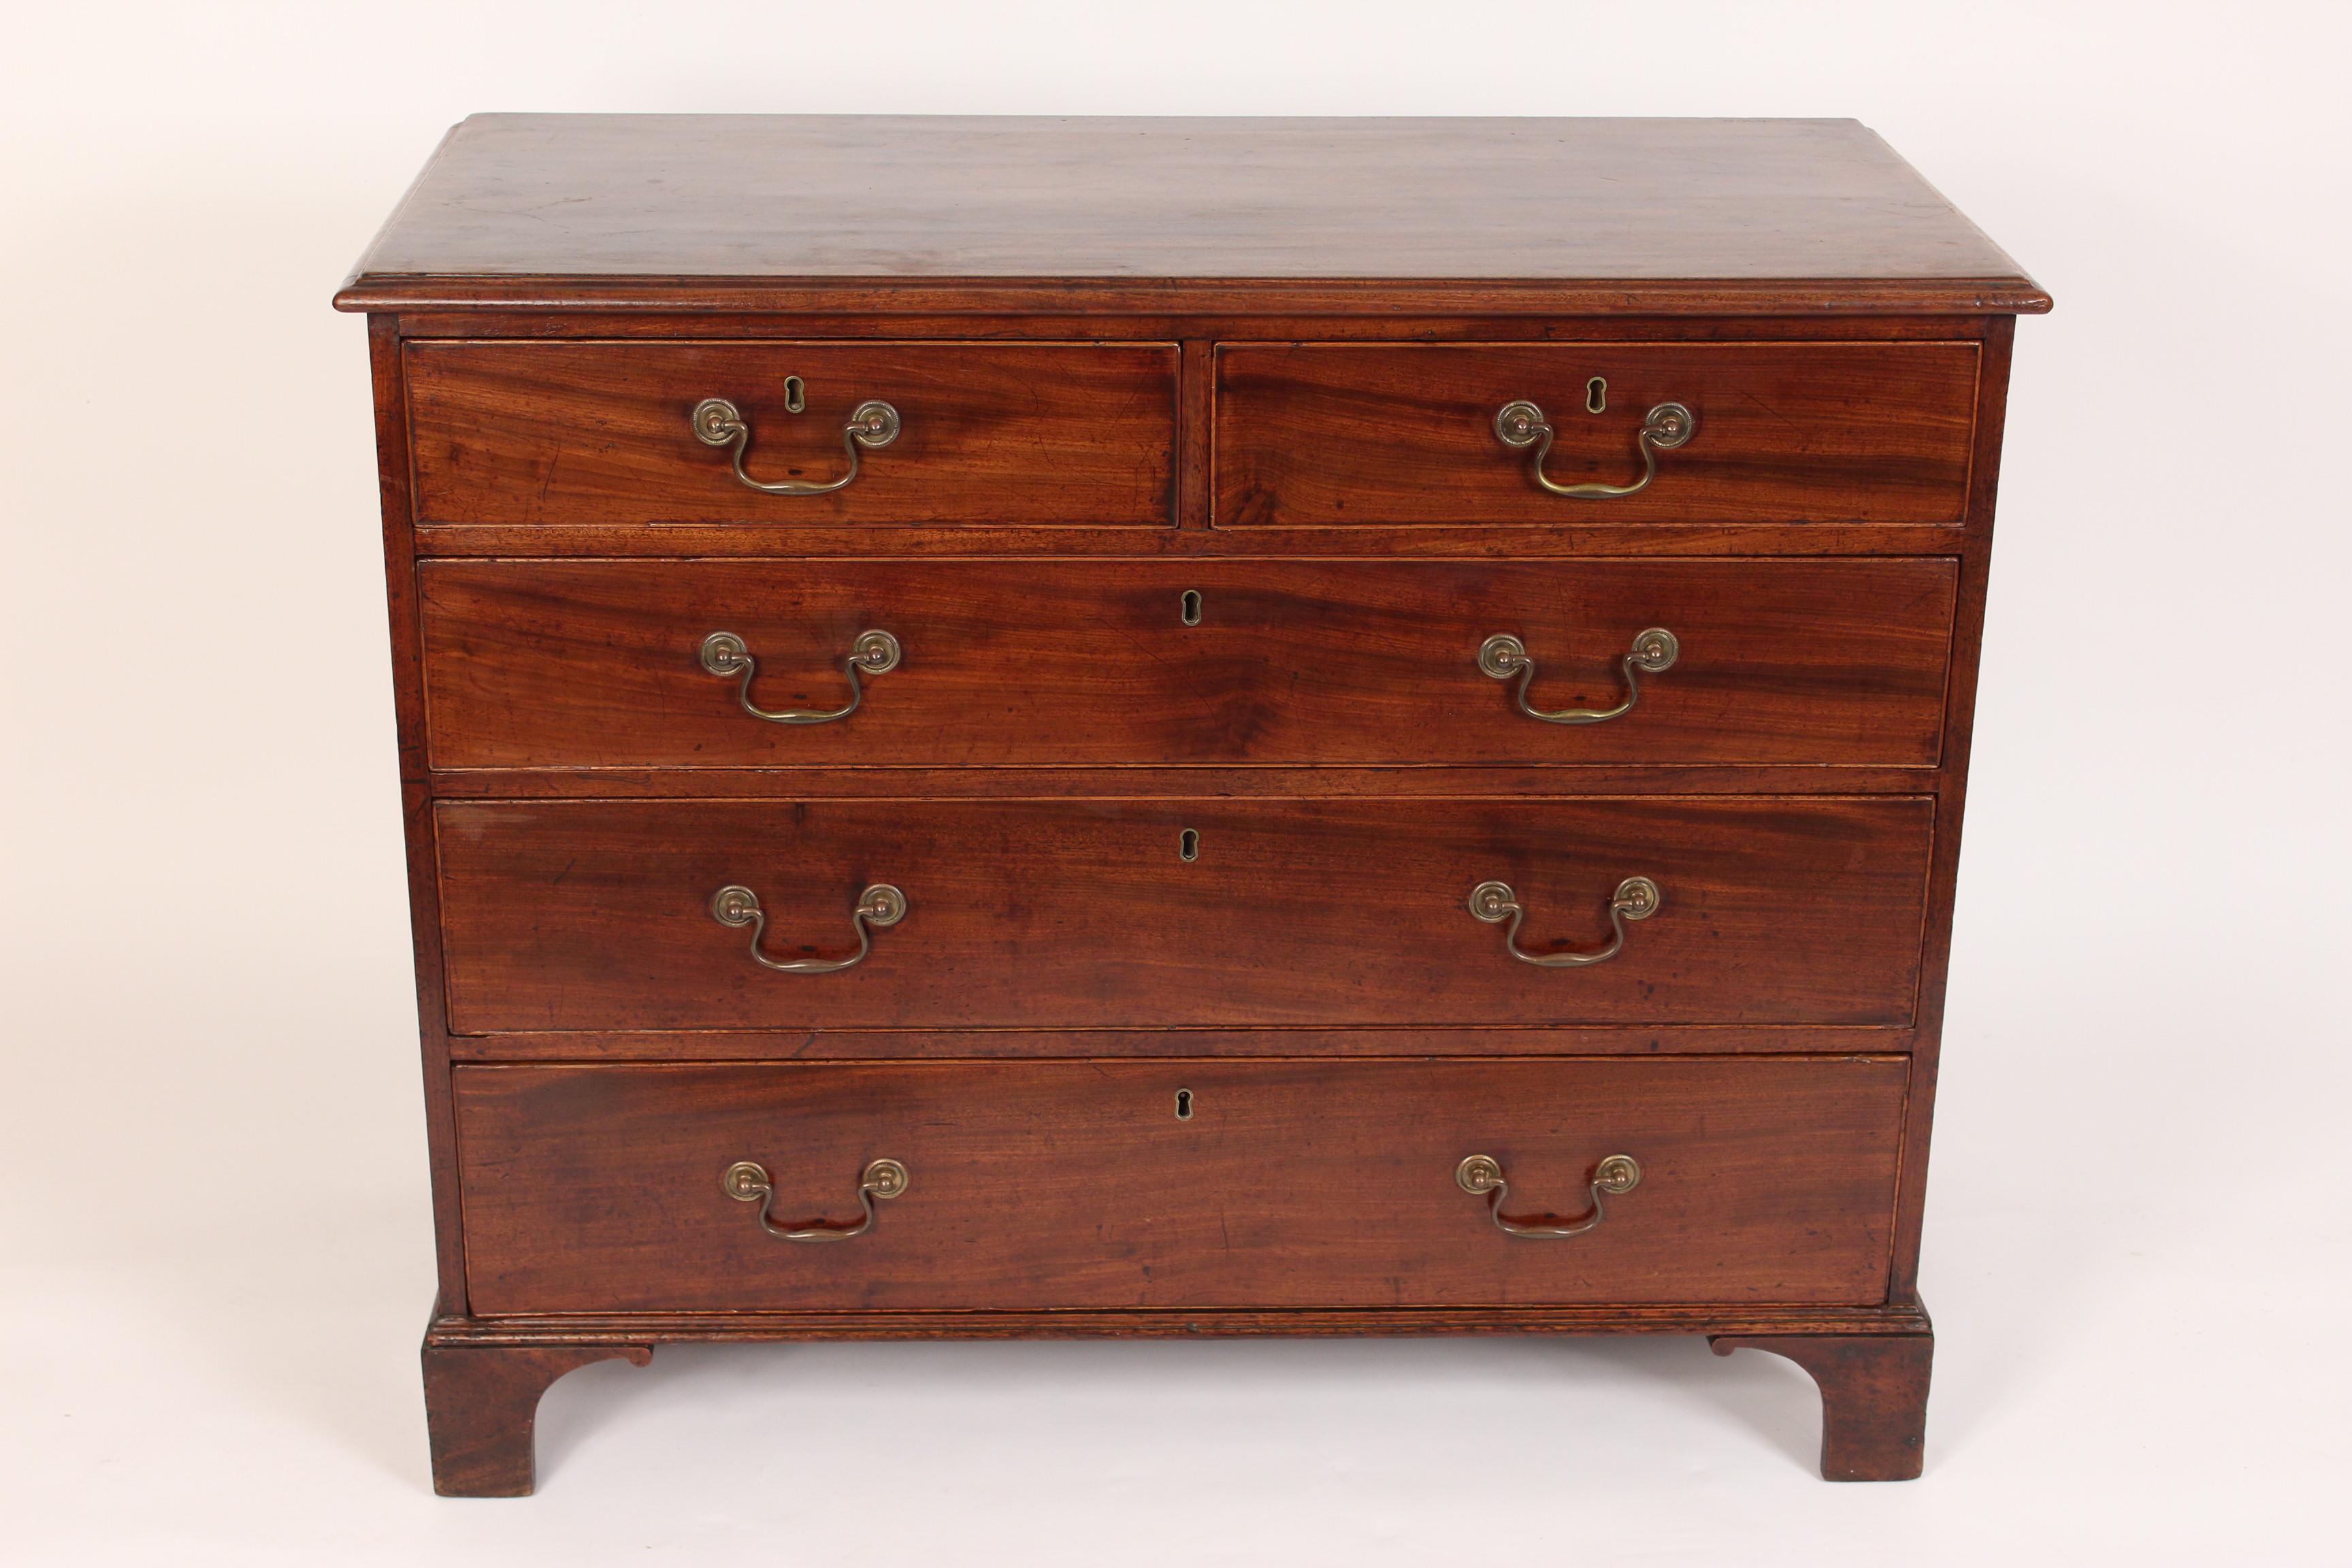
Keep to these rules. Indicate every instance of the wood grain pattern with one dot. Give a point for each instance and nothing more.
(1348, 434)
(1021, 664)
(1076, 1186)
(598, 433)
(595, 915)
(1819, 213)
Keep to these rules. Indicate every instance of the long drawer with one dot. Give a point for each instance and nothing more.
(1177, 1185)
(534, 663)
(635, 433)
(591, 915)
(1323, 434)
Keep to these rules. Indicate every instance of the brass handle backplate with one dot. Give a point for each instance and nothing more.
(746, 1181)
(1636, 898)
(879, 905)
(1483, 1174)
(727, 656)
(1504, 656)
(718, 423)
(1666, 427)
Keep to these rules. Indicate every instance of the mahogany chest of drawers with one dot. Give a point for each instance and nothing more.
(1160, 727)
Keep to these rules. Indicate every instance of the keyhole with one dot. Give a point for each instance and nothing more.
(1183, 1105)
(1188, 844)
(1596, 394)
(796, 395)
(1188, 608)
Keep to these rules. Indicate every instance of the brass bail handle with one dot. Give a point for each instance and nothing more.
(1636, 898)
(879, 906)
(1504, 657)
(718, 423)
(727, 656)
(1521, 423)
(747, 1181)
(1483, 1174)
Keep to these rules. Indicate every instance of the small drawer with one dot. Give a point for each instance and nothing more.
(661, 915)
(700, 664)
(1319, 435)
(1208, 1185)
(635, 433)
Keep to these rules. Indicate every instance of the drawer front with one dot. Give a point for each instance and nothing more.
(1331, 435)
(599, 663)
(1077, 1185)
(605, 433)
(591, 915)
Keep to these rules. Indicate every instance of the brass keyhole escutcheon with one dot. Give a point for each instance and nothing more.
(1188, 846)
(1183, 1105)
(796, 395)
(1596, 396)
(1188, 607)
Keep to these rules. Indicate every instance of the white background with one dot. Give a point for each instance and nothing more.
(214, 1254)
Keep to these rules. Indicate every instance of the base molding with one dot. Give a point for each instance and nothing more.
(656, 1328)
(484, 1376)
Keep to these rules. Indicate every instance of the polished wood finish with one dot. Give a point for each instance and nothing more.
(868, 1323)
(593, 663)
(1185, 782)
(1258, 360)
(1874, 1397)
(1131, 320)
(1319, 435)
(1959, 721)
(895, 213)
(415, 797)
(1476, 1040)
(1077, 1185)
(599, 433)
(1797, 910)
(481, 1409)
(1583, 538)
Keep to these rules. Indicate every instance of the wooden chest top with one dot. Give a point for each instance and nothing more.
(907, 212)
